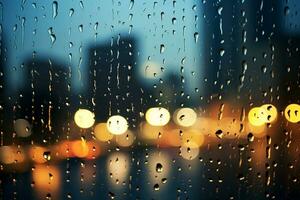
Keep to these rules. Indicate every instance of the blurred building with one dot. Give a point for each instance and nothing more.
(44, 98)
(113, 86)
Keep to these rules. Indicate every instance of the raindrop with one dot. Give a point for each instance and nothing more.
(241, 177)
(96, 26)
(173, 20)
(286, 10)
(47, 155)
(250, 137)
(50, 176)
(54, 9)
(219, 134)
(111, 195)
(263, 69)
(159, 168)
(53, 39)
(71, 12)
(220, 9)
(222, 52)
(156, 187)
(80, 28)
(81, 4)
(162, 48)
(131, 4)
(196, 37)
(48, 196)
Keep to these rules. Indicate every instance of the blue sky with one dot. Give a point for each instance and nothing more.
(27, 27)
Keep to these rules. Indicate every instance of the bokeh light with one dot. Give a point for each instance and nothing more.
(185, 117)
(80, 148)
(101, 132)
(84, 118)
(150, 132)
(11, 155)
(193, 136)
(157, 116)
(118, 167)
(189, 150)
(158, 167)
(256, 116)
(126, 139)
(39, 154)
(117, 125)
(292, 113)
(47, 180)
(270, 112)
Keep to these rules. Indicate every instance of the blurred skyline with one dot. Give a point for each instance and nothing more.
(223, 77)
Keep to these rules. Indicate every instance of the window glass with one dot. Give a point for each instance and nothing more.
(170, 99)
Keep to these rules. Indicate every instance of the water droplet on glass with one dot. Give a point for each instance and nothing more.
(220, 9)
(81, 4)
(47, 155)
(196, 37)
(159, 168)
(219, 134)
(156, 187)
(131, 4)
(162, 48)
(80, 28)
(71, 12)
(286, 10)
(222, 52)
(54, 9)
(173, 20)
(53, 39)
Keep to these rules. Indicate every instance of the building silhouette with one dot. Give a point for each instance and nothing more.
(113, 85)
(43, 98)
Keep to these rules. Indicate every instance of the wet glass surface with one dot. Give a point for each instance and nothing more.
(149, 99)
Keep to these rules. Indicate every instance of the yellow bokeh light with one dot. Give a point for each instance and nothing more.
(117, 125)
(256, 116)
(93, 150)
(36, 153)
(102, 133)
(205, 125)
(193, 136)
(80, 148)
(292, 113)
(126, 139)
(46, 180)
(157, 116)
(258, 131)
(270, 112)
(11, 154)
(189, 150)
(63, 149)
(185, 117)
(6, 154)
(229, 126)
(158, 166)
(171, 137)
(150, 132)
(118, 167)
(84, 118)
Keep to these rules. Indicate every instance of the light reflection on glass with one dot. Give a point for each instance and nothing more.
(118, 168)
(158, 169)
(46, 181)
